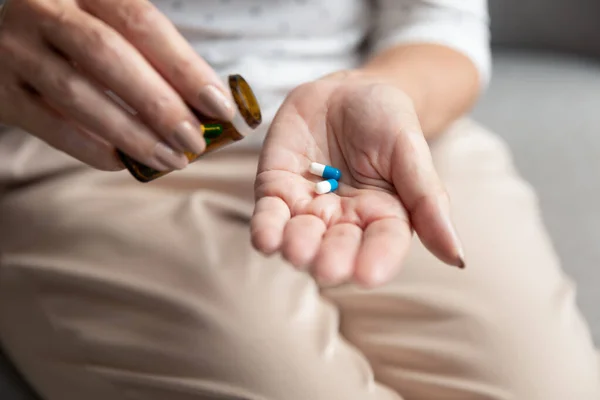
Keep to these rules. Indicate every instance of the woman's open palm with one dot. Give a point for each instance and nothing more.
(389, 187)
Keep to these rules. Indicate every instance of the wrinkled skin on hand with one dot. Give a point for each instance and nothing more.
(370, 131)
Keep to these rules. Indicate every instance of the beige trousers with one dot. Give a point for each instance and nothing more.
(115, 290)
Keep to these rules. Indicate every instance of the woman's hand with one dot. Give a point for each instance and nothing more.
(370, 131)
(60, 59)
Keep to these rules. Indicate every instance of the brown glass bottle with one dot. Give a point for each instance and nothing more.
(217, 134)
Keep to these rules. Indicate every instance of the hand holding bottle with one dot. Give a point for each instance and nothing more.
(93, 76)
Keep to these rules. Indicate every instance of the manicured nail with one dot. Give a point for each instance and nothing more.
(459, 254)
(115, 163)
(169, 157)
(455, 254)
(157, 165)
(460, 262)
(189, 138)
(215, 104)
(459, 258)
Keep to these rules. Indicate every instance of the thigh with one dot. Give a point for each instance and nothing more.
(507, 326)
(111, 289)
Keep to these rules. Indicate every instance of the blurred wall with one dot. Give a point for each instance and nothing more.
(562, 25)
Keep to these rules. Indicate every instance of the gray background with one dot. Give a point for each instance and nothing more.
(544, 100)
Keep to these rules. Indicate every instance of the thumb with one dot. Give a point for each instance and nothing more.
(422, 193)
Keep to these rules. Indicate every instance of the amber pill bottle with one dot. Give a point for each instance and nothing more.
(217, 134)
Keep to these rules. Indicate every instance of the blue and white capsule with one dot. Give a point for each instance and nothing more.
(330, 185)
(325, 171)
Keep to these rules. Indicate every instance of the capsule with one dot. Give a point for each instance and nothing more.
(327, 186)
(325, 171)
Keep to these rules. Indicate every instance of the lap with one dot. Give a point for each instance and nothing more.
(505, 327)
(113, 288)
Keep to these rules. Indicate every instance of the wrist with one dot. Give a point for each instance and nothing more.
(369, 74)
(361, 74)
(411, 88)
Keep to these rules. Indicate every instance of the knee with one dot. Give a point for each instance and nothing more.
(242, 343)
(530, 349)
(156, 344)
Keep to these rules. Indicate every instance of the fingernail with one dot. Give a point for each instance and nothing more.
(461, 261)
(115, 163)
(169, 157)
(157, 165)
(459, 257)
(454, 252)
(189, 138)
(215, 103)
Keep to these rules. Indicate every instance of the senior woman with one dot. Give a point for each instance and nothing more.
(200, 285)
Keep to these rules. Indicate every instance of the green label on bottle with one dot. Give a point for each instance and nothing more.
(212, 132)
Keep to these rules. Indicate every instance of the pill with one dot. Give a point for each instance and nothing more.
(325, 171)
(327, 186)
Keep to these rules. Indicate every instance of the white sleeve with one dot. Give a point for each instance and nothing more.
(462, 25)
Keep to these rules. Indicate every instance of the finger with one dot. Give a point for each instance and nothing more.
(268, 223)
(432, 222)
(422, 193)
(75, 97)
(385, 244)
(119, 67)
(336, 258)
(166, 49)
(293, 189)
(37, 119)
(301, 239)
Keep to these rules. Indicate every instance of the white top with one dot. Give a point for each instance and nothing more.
(278, 44)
